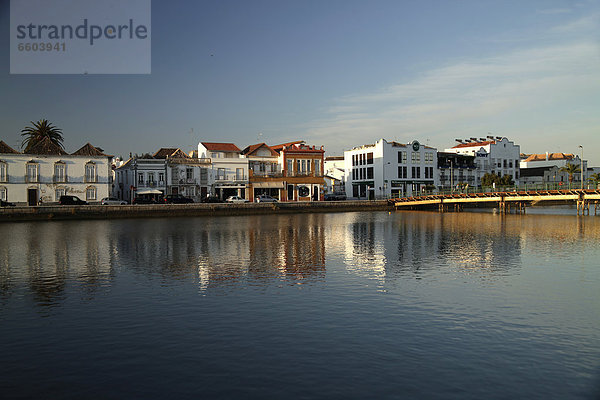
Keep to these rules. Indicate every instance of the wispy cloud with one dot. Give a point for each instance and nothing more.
(518, 93)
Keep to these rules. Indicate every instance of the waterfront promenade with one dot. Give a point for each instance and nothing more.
(57, 212)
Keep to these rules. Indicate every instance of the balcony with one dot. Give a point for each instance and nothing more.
(90, 179)
(59, 179)
(231, 177)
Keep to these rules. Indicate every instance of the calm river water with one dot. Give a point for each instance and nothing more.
(348, 305)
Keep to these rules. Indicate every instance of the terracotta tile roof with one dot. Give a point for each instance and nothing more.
(551, 157)
(170, 152)
(252, 148)
(227, 147)
(46, 147)
(474, 144)
(6, 149)
(89, 150)
(280, 146)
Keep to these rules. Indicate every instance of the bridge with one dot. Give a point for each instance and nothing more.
(504, 201)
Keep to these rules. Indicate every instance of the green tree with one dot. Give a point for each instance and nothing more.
(506, 180)
(38, 131)
(595, 178)
(570, 169)
(489, 179)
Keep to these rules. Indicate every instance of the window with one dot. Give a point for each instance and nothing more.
(369, 158)
(90, 193)
(416, 172)
(58, 193)
(141, 178)
(317, 167)
(303, 167)
(32, 172)
(90, 172)
(3, 172)
(370, 173)
(401, 157)
(239, 174)
(510, 164)
(151, 178)
(353, 159)
(298, 167)
(3, 194)
(189, 173)
(353, 174)
(59, 172)
(415, 157)
(221, 173)
(505, 164)
(402, 172)
(290, 167)
(161, 177)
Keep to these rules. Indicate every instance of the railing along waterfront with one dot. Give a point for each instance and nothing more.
(517, 199)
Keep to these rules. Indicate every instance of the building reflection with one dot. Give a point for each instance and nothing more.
(49, 259)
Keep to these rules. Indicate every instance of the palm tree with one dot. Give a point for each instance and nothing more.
(570, 169)
(39, 130)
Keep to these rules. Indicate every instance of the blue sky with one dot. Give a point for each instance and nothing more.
(334, 73)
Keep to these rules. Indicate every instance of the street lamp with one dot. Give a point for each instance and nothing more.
(581, 166)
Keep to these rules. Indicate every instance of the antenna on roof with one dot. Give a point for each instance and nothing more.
(192, 138)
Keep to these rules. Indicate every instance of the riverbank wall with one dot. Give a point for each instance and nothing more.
(49, 213)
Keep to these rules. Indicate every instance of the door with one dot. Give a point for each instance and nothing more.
(32, 197)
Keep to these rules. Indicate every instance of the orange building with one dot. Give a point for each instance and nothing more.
(289, 171)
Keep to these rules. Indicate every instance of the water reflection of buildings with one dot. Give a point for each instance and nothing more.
(381, 245)
(48, 258)
(44, 256)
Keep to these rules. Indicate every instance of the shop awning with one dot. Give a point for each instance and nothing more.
(268, 185)
(149, 191)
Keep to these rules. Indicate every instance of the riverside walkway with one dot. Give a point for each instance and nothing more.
(503, 200)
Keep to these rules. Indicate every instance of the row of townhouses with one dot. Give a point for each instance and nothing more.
(291, 171)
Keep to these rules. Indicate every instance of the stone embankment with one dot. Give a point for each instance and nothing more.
(55, 212)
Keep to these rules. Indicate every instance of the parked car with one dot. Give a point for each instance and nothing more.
(335, 196)
(71, 201)
(263, 198)
(112, 201)
(142, 199)
(236, 199)
(6, 204)
(177, 199)
(211, 199)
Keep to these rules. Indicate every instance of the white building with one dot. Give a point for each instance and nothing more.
(335, 174)
(230, 168)
(496, 155)
(389, 169)
(140, 175)
(46, 172)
